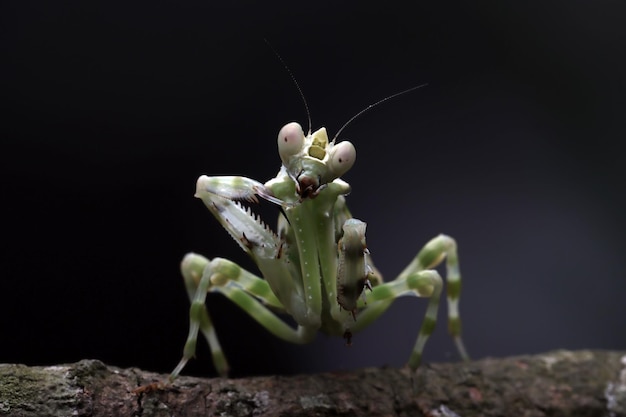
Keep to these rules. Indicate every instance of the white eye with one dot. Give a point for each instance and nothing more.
(342, 157)
(290, 141)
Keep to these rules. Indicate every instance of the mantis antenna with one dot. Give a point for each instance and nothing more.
(306, 105)
(408, 90)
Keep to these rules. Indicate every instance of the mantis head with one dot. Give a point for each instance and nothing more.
(311, 160)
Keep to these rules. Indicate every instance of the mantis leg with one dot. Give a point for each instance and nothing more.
(248, 291)
(419, 279)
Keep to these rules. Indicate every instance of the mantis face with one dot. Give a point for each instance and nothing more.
(311, 160)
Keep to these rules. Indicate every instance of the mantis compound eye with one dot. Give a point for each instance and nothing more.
(342, 157)
(290, 141)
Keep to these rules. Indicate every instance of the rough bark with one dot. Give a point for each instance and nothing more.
(560, 383)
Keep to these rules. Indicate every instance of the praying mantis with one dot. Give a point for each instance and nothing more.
(316, 266)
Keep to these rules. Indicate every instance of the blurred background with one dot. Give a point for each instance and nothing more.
(111, 110)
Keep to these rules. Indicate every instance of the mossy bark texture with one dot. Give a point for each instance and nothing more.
(560, 383)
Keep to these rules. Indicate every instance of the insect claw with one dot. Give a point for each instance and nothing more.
(246, 242)
(366, 284)
(279, 251)
(348, 336)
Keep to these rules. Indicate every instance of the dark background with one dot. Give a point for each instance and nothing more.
(111, 110)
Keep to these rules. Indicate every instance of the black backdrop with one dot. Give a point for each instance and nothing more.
(111, 110)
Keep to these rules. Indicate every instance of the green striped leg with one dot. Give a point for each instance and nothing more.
(248, 291)
(418, 278)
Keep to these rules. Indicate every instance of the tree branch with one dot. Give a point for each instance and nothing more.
(560, 383)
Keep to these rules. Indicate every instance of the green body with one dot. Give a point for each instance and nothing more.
(316, 266)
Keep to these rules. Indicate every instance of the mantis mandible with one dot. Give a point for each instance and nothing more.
(316, 266)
